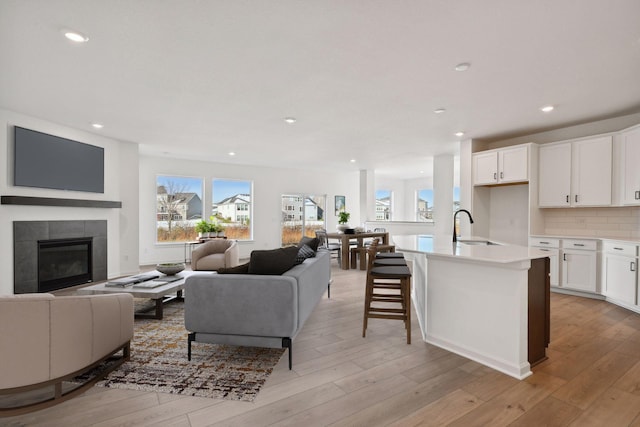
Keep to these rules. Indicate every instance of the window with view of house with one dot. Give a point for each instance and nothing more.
(424, 205)
(178, 208)
(384, 205)
(232, 207)
(302, 215)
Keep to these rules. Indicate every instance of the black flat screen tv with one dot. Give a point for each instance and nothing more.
(47, 161)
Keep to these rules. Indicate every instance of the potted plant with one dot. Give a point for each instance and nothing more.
(343, 220)
(202, 227)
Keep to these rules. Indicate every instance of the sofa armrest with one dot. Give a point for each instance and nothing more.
(238, 304)
(84, 329)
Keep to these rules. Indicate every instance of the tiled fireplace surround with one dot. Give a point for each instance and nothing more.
(25, 243)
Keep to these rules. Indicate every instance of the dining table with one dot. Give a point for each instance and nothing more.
(345, 242)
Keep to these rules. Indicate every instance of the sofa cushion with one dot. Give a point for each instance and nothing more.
(303, 253)
(238, 269)
(274, 261)
(312, 242)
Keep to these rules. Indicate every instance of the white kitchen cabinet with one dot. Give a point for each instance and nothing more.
(579, 265)
(630, 160)
(620, 272)
(554, 179)
(502, 166)
(551, 246)
(576, 173)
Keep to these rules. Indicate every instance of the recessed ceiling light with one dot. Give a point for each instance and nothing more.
(439, 110)
(463, 66)
(352, 160)
(97, 125)
(231, 153)
(290, 119)
(547, 108)
(459, 133)
(421, 171)
(76, 37)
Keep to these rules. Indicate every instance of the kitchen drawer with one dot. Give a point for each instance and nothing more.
(544, 242)
(626, 249)
(582, 244)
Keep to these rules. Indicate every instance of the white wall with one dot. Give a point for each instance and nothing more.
(121, 184)
(268, 186)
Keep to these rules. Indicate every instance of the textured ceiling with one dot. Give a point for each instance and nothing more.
(197, 79)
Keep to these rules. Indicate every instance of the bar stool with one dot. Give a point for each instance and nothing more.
(361, 252)
(386, 287)
(380, 262)
(389, 255)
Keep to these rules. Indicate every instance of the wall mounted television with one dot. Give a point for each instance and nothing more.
(47, 161)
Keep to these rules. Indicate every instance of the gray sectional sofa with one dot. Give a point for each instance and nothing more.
(255, 309)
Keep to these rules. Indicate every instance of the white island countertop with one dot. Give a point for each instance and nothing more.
(486, 302)
(467, 248)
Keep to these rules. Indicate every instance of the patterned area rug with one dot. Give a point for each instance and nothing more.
(159, 363)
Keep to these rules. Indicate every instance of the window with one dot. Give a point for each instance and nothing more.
(302, 215)
(424, 205)
(178, 208)
(456, 206)
(232, 207)
(384, 205)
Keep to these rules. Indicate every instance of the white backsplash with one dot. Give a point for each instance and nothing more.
(622, 222)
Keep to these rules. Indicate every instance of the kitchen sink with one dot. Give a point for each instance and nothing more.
(478, 242)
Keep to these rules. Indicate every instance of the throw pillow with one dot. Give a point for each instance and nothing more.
(274, 261)
(238, 269)
(303, 253)
(312, 242)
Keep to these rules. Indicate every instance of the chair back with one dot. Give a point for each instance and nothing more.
(323, 241)
(372, 249)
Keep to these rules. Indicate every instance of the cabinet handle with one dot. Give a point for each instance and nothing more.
(501, 175)
(637, 195)
(495, 176)
(578, 244)
(564, 257)
(567, 198)
(618, 249)
(545, 250)
(576, 198)
(633, 266)
(544, 243)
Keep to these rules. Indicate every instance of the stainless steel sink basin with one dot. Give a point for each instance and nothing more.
(477, 242)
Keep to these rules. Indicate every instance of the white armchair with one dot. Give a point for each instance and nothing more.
(215, 254)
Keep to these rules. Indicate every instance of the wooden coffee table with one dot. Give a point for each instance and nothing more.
(161, 294)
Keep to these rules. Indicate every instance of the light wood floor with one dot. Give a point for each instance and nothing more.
(592, 378)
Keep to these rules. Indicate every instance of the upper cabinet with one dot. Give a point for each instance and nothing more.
(575, 173)
(630, 172)
(502, 166)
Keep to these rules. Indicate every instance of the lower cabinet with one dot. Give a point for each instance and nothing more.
(620, 273)
(580, 265)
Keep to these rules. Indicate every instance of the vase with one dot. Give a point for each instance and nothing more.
(342, 227)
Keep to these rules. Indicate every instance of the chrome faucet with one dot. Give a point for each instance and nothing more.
(455, 237)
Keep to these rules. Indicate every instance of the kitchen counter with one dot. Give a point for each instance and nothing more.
(487, 302)
(467, 248)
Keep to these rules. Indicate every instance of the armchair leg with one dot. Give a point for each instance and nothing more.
(190, 338)
(286, 343)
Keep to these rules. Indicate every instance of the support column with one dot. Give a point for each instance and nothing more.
(367, 195)
(443, 194)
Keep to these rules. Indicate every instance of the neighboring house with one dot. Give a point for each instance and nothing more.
(383, 209)
(424, 211)
(236, 208)
(177, 207)
(294, 207)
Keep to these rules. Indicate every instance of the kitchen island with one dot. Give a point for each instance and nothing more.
(483, 300)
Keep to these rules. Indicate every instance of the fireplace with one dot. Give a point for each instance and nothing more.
(63, 263)
(50, 255)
